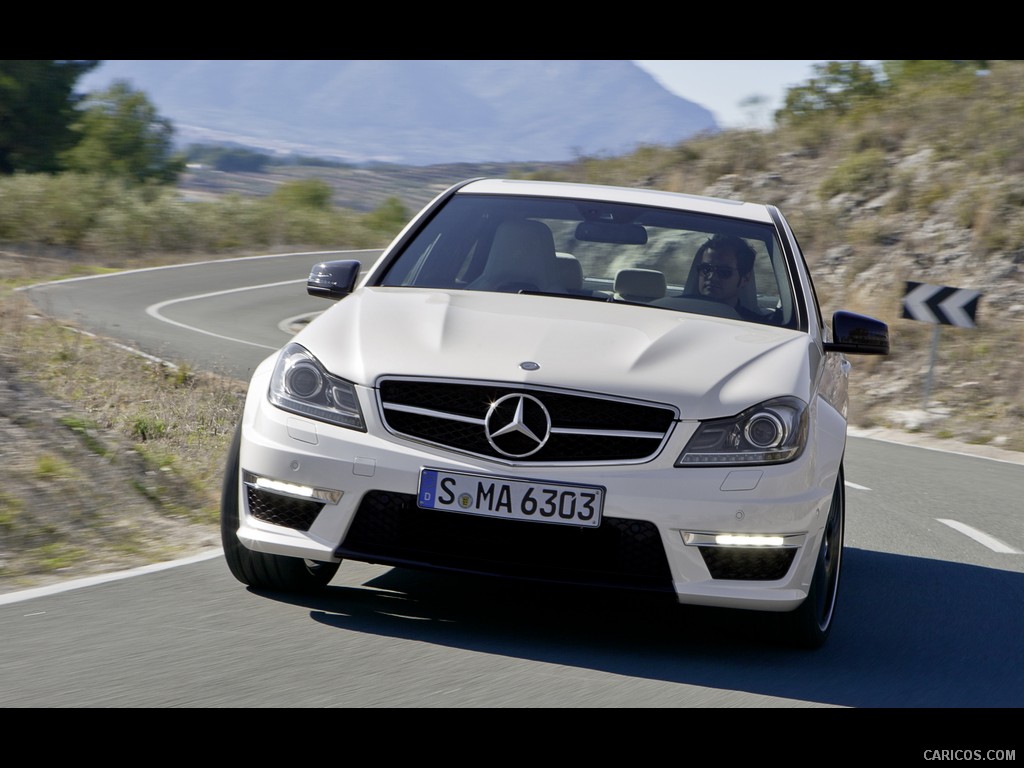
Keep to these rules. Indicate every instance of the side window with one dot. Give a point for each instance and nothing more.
(814, 294)
(800, 312)
(774, 283)
(767, 286)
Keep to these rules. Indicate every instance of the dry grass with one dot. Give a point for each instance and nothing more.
(112, 461)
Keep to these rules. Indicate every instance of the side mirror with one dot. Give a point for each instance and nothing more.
(858, 335)
(333, 279)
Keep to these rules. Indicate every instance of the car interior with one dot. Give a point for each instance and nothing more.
(629, 254)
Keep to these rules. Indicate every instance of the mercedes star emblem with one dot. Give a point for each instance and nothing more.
(517, 425)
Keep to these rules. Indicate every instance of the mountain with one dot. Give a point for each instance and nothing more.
(413, 112)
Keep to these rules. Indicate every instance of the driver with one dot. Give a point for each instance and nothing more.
(726, 265)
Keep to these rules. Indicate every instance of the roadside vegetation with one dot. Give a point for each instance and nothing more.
(911, 172)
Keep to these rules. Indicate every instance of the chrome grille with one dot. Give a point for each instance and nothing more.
(585, 429)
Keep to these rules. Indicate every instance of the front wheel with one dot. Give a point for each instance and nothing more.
(259, 569)
(810, 624)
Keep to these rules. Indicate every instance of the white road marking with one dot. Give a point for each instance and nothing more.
(190, 264)
(153, 310)
(854, 485)
(981, 537)
(89, 581)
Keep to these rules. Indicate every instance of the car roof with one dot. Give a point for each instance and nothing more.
(675, 200)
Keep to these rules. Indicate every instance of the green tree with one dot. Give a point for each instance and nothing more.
(908, 70)
(122, 136)
(388, 218)
(837, 86)
(37, 109)
(311, 194)
(227, 158)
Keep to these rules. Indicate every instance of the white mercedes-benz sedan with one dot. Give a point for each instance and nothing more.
(566, 383)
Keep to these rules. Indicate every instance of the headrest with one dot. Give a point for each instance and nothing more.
(570, 271)
(522, 255)
(640, 283)
(524, 244)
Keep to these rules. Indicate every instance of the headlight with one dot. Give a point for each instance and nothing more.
(301, 385)
(772, 432)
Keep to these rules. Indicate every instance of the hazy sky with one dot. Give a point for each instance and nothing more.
(721, 85)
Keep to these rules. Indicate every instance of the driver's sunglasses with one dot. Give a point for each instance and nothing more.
(723, 272)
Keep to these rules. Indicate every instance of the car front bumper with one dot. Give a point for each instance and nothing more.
(321, 492)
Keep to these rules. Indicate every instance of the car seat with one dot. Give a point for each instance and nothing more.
(522, 257)
(640, 284)
(570, 272)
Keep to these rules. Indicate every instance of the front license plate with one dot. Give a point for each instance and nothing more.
(535, 500)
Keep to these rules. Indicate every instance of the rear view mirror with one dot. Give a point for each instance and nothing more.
(611, 232)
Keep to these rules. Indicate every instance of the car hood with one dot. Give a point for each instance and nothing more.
(704, 366)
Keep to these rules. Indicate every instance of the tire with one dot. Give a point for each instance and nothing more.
(811, 623)
(259, 569)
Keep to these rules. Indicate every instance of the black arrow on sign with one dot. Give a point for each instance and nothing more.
(940, 304)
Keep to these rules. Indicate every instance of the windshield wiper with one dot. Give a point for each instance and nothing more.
(560, 294)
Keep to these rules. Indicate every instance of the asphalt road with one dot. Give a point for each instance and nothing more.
(931, 613)
(222, 316)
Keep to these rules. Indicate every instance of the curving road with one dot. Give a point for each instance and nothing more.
(932, 607)
(223, 316)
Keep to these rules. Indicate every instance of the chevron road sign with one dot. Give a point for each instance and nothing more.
(940, 304)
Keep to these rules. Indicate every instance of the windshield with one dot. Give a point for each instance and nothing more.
(668, 260)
